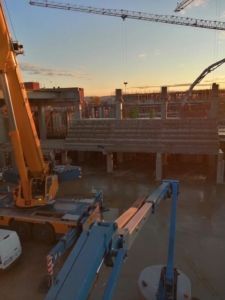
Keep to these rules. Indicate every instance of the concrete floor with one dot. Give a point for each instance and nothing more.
(200, 235)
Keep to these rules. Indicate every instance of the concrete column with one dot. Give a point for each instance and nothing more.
(92, 112)
(109, 112)
(64, 157)
(80, 156)
(220, 168)
(109, 162)
(41, 122)
(119, 157)
(164, 103)
(214, 101)
(99, 112)
(119, 104)
(103, 111)
(158, 169)
(78, 110)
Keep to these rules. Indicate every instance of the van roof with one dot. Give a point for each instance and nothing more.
(4, 233)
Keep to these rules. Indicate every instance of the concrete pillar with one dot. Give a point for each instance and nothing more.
(64, 157)
(99, 112)
(158, 169)
(78, 110)
(41, 122)
(92, 112)
(119, 104)
(109, 162)
(103, 111)
(164, 103)
(214, 101)
(220, 168)
(109, 112)
(119, 157)
(80, 156)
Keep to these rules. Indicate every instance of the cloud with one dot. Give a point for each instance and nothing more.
(218, 79)
(35, 69)
(222, 35)
(222, 15)
(199, 3)
(142, 56)
(195, 3)
(157, 52)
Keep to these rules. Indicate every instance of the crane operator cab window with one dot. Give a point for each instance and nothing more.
(38, 189)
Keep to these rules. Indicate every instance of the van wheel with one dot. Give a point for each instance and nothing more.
(44, 233)
(23, 229)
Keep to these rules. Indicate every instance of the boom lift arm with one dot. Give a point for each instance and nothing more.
(126, 14)
(109, 243)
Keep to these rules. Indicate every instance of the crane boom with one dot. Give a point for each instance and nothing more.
(182, 5)
(28, 135)
(126, 14)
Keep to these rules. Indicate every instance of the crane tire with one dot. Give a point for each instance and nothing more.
(23, 229)
(44, 233)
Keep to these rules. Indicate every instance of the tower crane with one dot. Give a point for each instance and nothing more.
(182, 5)
(126, 14)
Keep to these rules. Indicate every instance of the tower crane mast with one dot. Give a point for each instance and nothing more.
(182, 5)
(126, 14)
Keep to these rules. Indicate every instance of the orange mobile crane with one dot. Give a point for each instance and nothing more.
(31, 207)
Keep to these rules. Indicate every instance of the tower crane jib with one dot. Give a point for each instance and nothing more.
(126, 14)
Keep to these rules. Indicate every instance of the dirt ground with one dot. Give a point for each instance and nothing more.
(200, 234)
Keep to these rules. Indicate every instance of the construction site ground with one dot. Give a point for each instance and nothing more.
(200, 234)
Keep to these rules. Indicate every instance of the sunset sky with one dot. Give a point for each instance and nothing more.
(99, 53)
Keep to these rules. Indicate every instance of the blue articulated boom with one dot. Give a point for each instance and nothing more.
(109, 242)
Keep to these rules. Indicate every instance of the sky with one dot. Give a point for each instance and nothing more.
(100, 53)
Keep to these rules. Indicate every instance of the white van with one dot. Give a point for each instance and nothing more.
(10, 247)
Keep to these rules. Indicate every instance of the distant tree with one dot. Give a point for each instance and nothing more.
(95, 100)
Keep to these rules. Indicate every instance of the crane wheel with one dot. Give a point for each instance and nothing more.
(44, 233)
(23, 229)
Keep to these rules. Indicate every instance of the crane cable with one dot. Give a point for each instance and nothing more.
(124, 41)
(10, 19)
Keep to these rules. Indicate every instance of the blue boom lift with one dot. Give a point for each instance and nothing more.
(109, 242)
